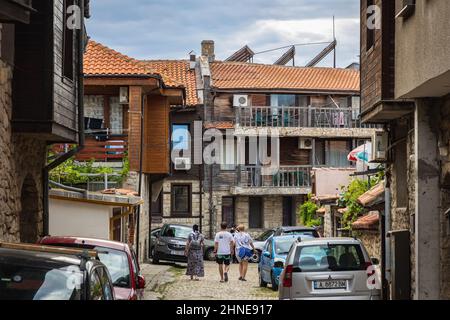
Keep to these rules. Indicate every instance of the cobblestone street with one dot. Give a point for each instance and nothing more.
(168, 282)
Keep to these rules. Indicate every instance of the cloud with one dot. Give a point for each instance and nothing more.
(170, 29)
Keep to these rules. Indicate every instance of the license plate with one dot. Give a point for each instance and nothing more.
(177, 253)
(330, 284)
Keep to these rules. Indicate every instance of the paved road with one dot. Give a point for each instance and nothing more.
(170, 283)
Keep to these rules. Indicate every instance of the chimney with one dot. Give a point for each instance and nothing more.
(192, 60)
(208, 50)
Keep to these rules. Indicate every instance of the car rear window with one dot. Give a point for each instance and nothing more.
(306, 233)
(330, 257)
(28, 282)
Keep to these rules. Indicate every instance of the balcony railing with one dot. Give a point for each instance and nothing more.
(109, 150)
(284, 177)
(294, 117)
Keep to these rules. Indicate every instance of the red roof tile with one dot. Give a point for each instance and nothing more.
(372, 196)
(179, 71)
(367, 222)
(241, 75)
(100, 60)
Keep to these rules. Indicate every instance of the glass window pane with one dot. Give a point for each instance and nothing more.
(180, 199)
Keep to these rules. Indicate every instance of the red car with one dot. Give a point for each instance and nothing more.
(118, 257)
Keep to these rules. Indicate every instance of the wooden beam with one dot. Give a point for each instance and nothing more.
(117, 81)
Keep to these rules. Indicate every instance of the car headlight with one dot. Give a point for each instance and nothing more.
(160, 243)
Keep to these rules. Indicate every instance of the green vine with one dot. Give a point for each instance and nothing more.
(350, 197)
(71, 173)
(307, 213)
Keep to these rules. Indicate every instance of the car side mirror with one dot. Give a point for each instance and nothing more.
(266, 254)
(375, 261)
(141, 282)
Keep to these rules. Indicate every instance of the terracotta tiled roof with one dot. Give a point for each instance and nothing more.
(367, 222)
(241, 75)
(372, 196)
(179, 71)
(100, 60)
(219, 125)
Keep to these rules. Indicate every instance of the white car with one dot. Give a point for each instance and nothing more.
(329, 269)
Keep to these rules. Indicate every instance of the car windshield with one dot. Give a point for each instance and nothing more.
(177, 232)
(28, 282)
(282, 247)
(117, 263)
(266, 235)
(331, 257)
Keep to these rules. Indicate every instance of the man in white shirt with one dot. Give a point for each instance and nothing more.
(224, 249)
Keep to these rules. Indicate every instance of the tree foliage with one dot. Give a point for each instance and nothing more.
(307, 214)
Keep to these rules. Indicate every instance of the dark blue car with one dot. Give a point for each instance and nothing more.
(273, 258)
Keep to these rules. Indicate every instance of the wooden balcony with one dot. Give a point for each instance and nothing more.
(112, 149)
(286, 180)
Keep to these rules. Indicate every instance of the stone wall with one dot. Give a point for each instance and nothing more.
(21, 163)
(444, 146)
(372, 242)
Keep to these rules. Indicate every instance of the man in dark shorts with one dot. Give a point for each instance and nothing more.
(224, 249)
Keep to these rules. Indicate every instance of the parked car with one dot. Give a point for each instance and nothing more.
(118, 257)
(33, 272)
(259, 243)
(171, 243)
(327, 268)
(273, 258)
(299, 231)
(153, 237)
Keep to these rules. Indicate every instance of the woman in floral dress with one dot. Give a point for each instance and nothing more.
(194, 253)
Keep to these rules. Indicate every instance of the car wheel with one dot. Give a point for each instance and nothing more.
(256, 257)
(209, 255)
(274, 283)
(262, 283)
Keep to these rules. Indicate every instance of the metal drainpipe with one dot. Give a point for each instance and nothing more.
(141, 159)
(387, 240)
(80, 147)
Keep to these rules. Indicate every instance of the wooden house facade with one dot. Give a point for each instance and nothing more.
(39, 104)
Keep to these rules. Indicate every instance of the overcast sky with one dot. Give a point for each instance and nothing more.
(170, 29)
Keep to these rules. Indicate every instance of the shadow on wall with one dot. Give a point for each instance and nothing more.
(29, 213)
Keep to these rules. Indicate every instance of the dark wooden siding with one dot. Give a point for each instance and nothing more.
(377, 64)
(65, 99)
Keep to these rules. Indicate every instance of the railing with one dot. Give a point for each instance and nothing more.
(303, 117)
(105, 151)
(284, 177)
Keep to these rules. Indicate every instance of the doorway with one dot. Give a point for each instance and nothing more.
(228, 214)
(289, 218)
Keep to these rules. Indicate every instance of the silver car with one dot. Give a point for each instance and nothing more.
(329, 269)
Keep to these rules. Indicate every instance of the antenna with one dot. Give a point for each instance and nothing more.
(334, 39)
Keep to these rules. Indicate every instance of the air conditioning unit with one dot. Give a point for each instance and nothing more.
(123, 95)
(380, 143)
(305, 143)
(240, 100)
(182, 164)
